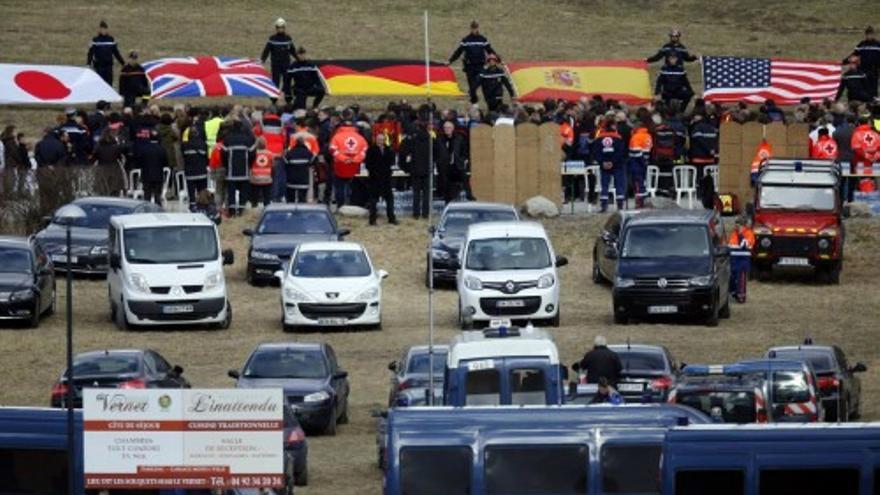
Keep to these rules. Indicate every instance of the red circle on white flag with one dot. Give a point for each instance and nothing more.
(41, 85)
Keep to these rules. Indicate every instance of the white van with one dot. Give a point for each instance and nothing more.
(508, 270)
(167, 269)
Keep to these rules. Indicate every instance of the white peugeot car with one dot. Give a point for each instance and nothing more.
(331, 284)
(508, 270)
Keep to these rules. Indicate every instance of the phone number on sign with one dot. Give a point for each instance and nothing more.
(234, 481)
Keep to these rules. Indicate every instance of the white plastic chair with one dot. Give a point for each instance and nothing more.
(684, 178)
(135, 186)
(652, 180)
(166, 183)
(713, 171)
(182, 191)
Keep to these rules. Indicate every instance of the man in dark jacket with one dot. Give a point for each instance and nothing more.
(673, 47)
(150, 158)
(102, 51)
(281, 49)
(672, 82)
(79, 137)
(303, 80)
(133, 82)
(475, 47)
(609, 151)
(50, 151)
(414, 151)
(452, 164)
(379, 160)
(868, 51)
(855, 83)
(493, 80)
(298, 162)
(194, 149)
(237, 154)
(601, 362)
(843, 134)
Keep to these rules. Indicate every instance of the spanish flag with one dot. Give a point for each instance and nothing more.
(622, 80)
(387, 78)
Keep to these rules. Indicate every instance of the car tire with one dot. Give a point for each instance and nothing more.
(462, 322)
(51, 309)
(830, 274)
(288, 328)
(554, 322)
(857, 412)
(227, 322)
(121, 319)
(620, 318)
(764, 273)
(724, 312)
(714, 313)
(34, 321)
(344, 417)
(377, 327)
(598, 279)
(330, 430)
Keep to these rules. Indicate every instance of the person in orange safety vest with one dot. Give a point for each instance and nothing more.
(764, 153)
(740, 243)
(866, 147)
(261, 174)
(640, 144)
(825, 147)
(349, 149)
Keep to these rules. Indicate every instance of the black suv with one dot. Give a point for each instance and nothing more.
(669, 263)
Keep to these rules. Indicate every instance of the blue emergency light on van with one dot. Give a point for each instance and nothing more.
(713, 369)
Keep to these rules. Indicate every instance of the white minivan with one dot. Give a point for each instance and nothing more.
(167, 269)
(508, 270)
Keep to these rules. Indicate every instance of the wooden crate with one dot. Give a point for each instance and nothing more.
(504, 166)
(527, 162)
(549, 159)
(730, 133)
(483, 162)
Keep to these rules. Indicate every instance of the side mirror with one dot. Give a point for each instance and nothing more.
(392, 366)
(177, 370)
(233, 374)
(722, 251)
(382, 274)
(247, 232)
(343, 232)
(611, 252)
(340, 375)
(561, 261)
(115, 261)
(228, 257)
(859, 368)
(845, 212)
(279, 275)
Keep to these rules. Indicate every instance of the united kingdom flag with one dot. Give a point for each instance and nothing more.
(189, 77)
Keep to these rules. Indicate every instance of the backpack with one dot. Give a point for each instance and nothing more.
(664, 143)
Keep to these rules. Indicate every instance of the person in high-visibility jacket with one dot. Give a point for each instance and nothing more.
(740, 242)
(764, 153)
(261, 174)
(609, 151)
(866, 147)
(349, 149)
(640, 144)
(825, 147)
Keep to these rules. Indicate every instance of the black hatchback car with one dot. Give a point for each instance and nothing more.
(282, 227)
(27, 281)
(88, 235)
(311, 379)
(670, 263)
(118, 368)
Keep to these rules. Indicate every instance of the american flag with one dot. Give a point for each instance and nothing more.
(754, 80)
(208, 76)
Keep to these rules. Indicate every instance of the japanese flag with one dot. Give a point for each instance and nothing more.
(52, 84)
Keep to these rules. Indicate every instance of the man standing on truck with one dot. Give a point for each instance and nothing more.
(741, 242)
(601, 363)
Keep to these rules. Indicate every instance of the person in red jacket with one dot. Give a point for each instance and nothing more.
(349, 149)
(261, 174)
(866, 147)
(825, 147)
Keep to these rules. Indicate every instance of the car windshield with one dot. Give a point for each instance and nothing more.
(822, 362)
(511, 253)
(295, 222)
(727, 406)
(15, 260)
(286, 363)
(98, 215)
(176, 244)
(418, 363)
(106, 365)
(642, 361)
(457, 222)
(797, 198)
(331, 264)
(662, 241)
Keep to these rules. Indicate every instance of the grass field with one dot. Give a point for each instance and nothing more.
(780, 312)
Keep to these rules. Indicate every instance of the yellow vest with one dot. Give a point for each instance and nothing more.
(212, 127)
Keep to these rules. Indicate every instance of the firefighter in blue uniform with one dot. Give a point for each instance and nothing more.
(740, 243)
(475, 48)
(609, 151)
(102, 51)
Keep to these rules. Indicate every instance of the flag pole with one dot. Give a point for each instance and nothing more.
(430, 218)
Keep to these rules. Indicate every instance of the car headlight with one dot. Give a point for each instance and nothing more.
(473, 283)
(828, 232)
(759, 229)
(99, 251)
(623, 283)
(139, 282)
(213, 280)
(259, 255)
(21, 295)
(546, 281)
(766, 242)
(369, 294)
(439, 254)
(704, 281)
(293, 295)
(823, 244)
(316, 397)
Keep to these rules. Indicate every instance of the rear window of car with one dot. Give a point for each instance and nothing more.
(642, 361)
(98, 215)
(15, 260)
(716, 482)
(435, 470)
(790, 387)
(286, 363)
(457, 222)
(109, 364)
(419, 363)
(836, 481)
(538, 469)
(33, 471)
(729, 407)
(631, 469)
(295, 222)
(822, 362)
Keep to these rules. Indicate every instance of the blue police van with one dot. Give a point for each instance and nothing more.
(599, 449)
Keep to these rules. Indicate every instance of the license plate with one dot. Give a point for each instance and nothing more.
(174, 309)
(794, 262)
(630, 387)
(511, 303)
(662, 310)
(331, 322)
(62, 258)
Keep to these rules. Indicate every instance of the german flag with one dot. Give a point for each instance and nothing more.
(387, 78)
(622, 80)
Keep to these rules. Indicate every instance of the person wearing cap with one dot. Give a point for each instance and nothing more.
(672, 82)
(673, 46)
(302, 80)
(741, 242)
(150, 158)
(868, 51)
(279, 49)
(133, 82)
(493, 80)
(854, 82)
(475, 47)
(102, 51)
(601, 362)
(80, 140)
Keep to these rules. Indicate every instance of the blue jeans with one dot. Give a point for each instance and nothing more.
(619, 174)
(739, 275)
(638, 169)
(341, 190)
